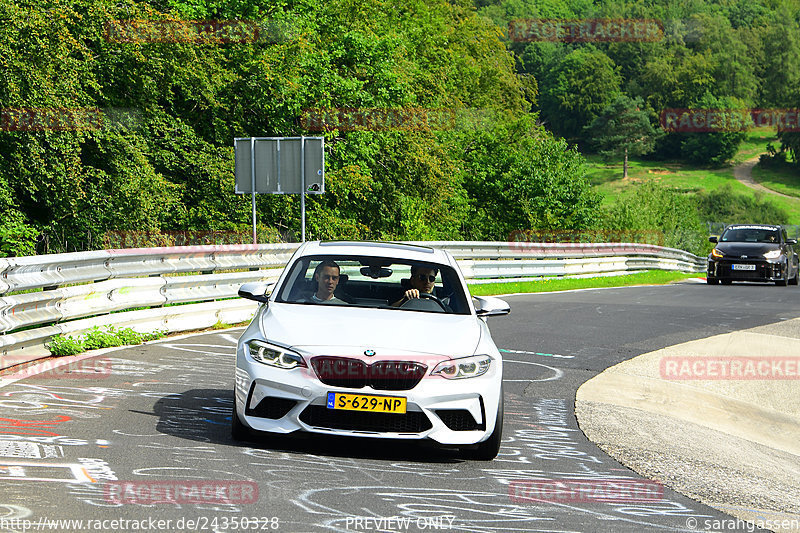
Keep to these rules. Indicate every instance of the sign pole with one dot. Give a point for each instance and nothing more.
(253, 175)
(303, 188)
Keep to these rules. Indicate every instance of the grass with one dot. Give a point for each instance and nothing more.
(755, 144)
(650, 277)
(606, 178)
(782, 180)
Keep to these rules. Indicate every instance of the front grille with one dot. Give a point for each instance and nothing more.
(458, 419)
(355, 374)
(271, 407)
(321, 416)
(762, 271)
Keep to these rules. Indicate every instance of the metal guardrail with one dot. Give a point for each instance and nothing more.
(71, 293)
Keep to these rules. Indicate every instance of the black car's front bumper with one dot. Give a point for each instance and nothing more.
(723, 269)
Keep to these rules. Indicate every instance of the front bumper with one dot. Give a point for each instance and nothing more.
(452, 412)
(723, 269)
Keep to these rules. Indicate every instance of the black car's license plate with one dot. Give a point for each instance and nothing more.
(363, 402)
(743, 267)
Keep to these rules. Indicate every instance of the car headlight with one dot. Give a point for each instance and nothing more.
(464, 367)
(272, 355)
(716, 253)
(774, 254)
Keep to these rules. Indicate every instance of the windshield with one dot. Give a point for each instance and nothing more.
(765, 235)
(377, 282)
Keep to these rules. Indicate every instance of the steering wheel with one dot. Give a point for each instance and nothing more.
(428, 296)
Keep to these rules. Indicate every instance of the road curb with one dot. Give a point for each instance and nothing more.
(674, 430)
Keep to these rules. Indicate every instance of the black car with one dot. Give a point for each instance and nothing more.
(753, 252)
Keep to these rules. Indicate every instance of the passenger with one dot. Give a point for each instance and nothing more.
(422, 281)
(327, 277)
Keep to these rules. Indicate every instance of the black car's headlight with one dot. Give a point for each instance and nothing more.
(272, 355)
(464, 367)
(717, 254)
(773, 254)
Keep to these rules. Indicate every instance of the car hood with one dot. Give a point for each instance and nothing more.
(746, 248)
(351, 330)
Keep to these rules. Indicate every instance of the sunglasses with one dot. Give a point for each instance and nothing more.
(425, 277)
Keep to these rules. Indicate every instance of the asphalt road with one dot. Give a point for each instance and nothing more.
(158, 416)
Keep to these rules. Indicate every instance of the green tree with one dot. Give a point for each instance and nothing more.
(519, 176)
(781, 76)
(712, 148)
(622, 129)
(576, 89)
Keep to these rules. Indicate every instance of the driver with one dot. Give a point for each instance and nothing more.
(422, 280)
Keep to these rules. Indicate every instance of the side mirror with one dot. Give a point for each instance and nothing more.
(712, 239)
(256, 290)
(791, 241)
(490, 306)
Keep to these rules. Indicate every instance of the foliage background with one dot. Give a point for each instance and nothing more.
(165, 163)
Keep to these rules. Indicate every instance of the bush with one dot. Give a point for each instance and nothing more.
(16, 237)
(128, 336)
(60, 346)
(653, 207)
(157, 334)
(725, 205)
(95, 339)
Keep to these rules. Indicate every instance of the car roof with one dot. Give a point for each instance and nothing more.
(753, 226)
(394, 250)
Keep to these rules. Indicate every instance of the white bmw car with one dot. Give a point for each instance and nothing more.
(371, 339)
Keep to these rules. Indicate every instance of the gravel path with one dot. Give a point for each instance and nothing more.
(744, 173)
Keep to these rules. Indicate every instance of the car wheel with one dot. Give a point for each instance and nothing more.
(712, 281)
(794, 280)
(726, 281)
(238, 430)
(781, 283)
(488, 449)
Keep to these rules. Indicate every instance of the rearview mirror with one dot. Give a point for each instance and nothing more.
(491, 306)
(256, 290)
(791, 241)
(376, 271)
(712, 239)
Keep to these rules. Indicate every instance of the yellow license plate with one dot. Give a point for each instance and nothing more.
(361, 402)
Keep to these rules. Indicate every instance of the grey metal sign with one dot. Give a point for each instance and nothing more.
(280, 165)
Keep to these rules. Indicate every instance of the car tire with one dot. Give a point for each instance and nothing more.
(794, 280)
(712, 281)
(488, 449)
(238, 430)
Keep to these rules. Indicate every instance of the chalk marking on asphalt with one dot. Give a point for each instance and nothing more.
(558, 373)
(538, 353)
